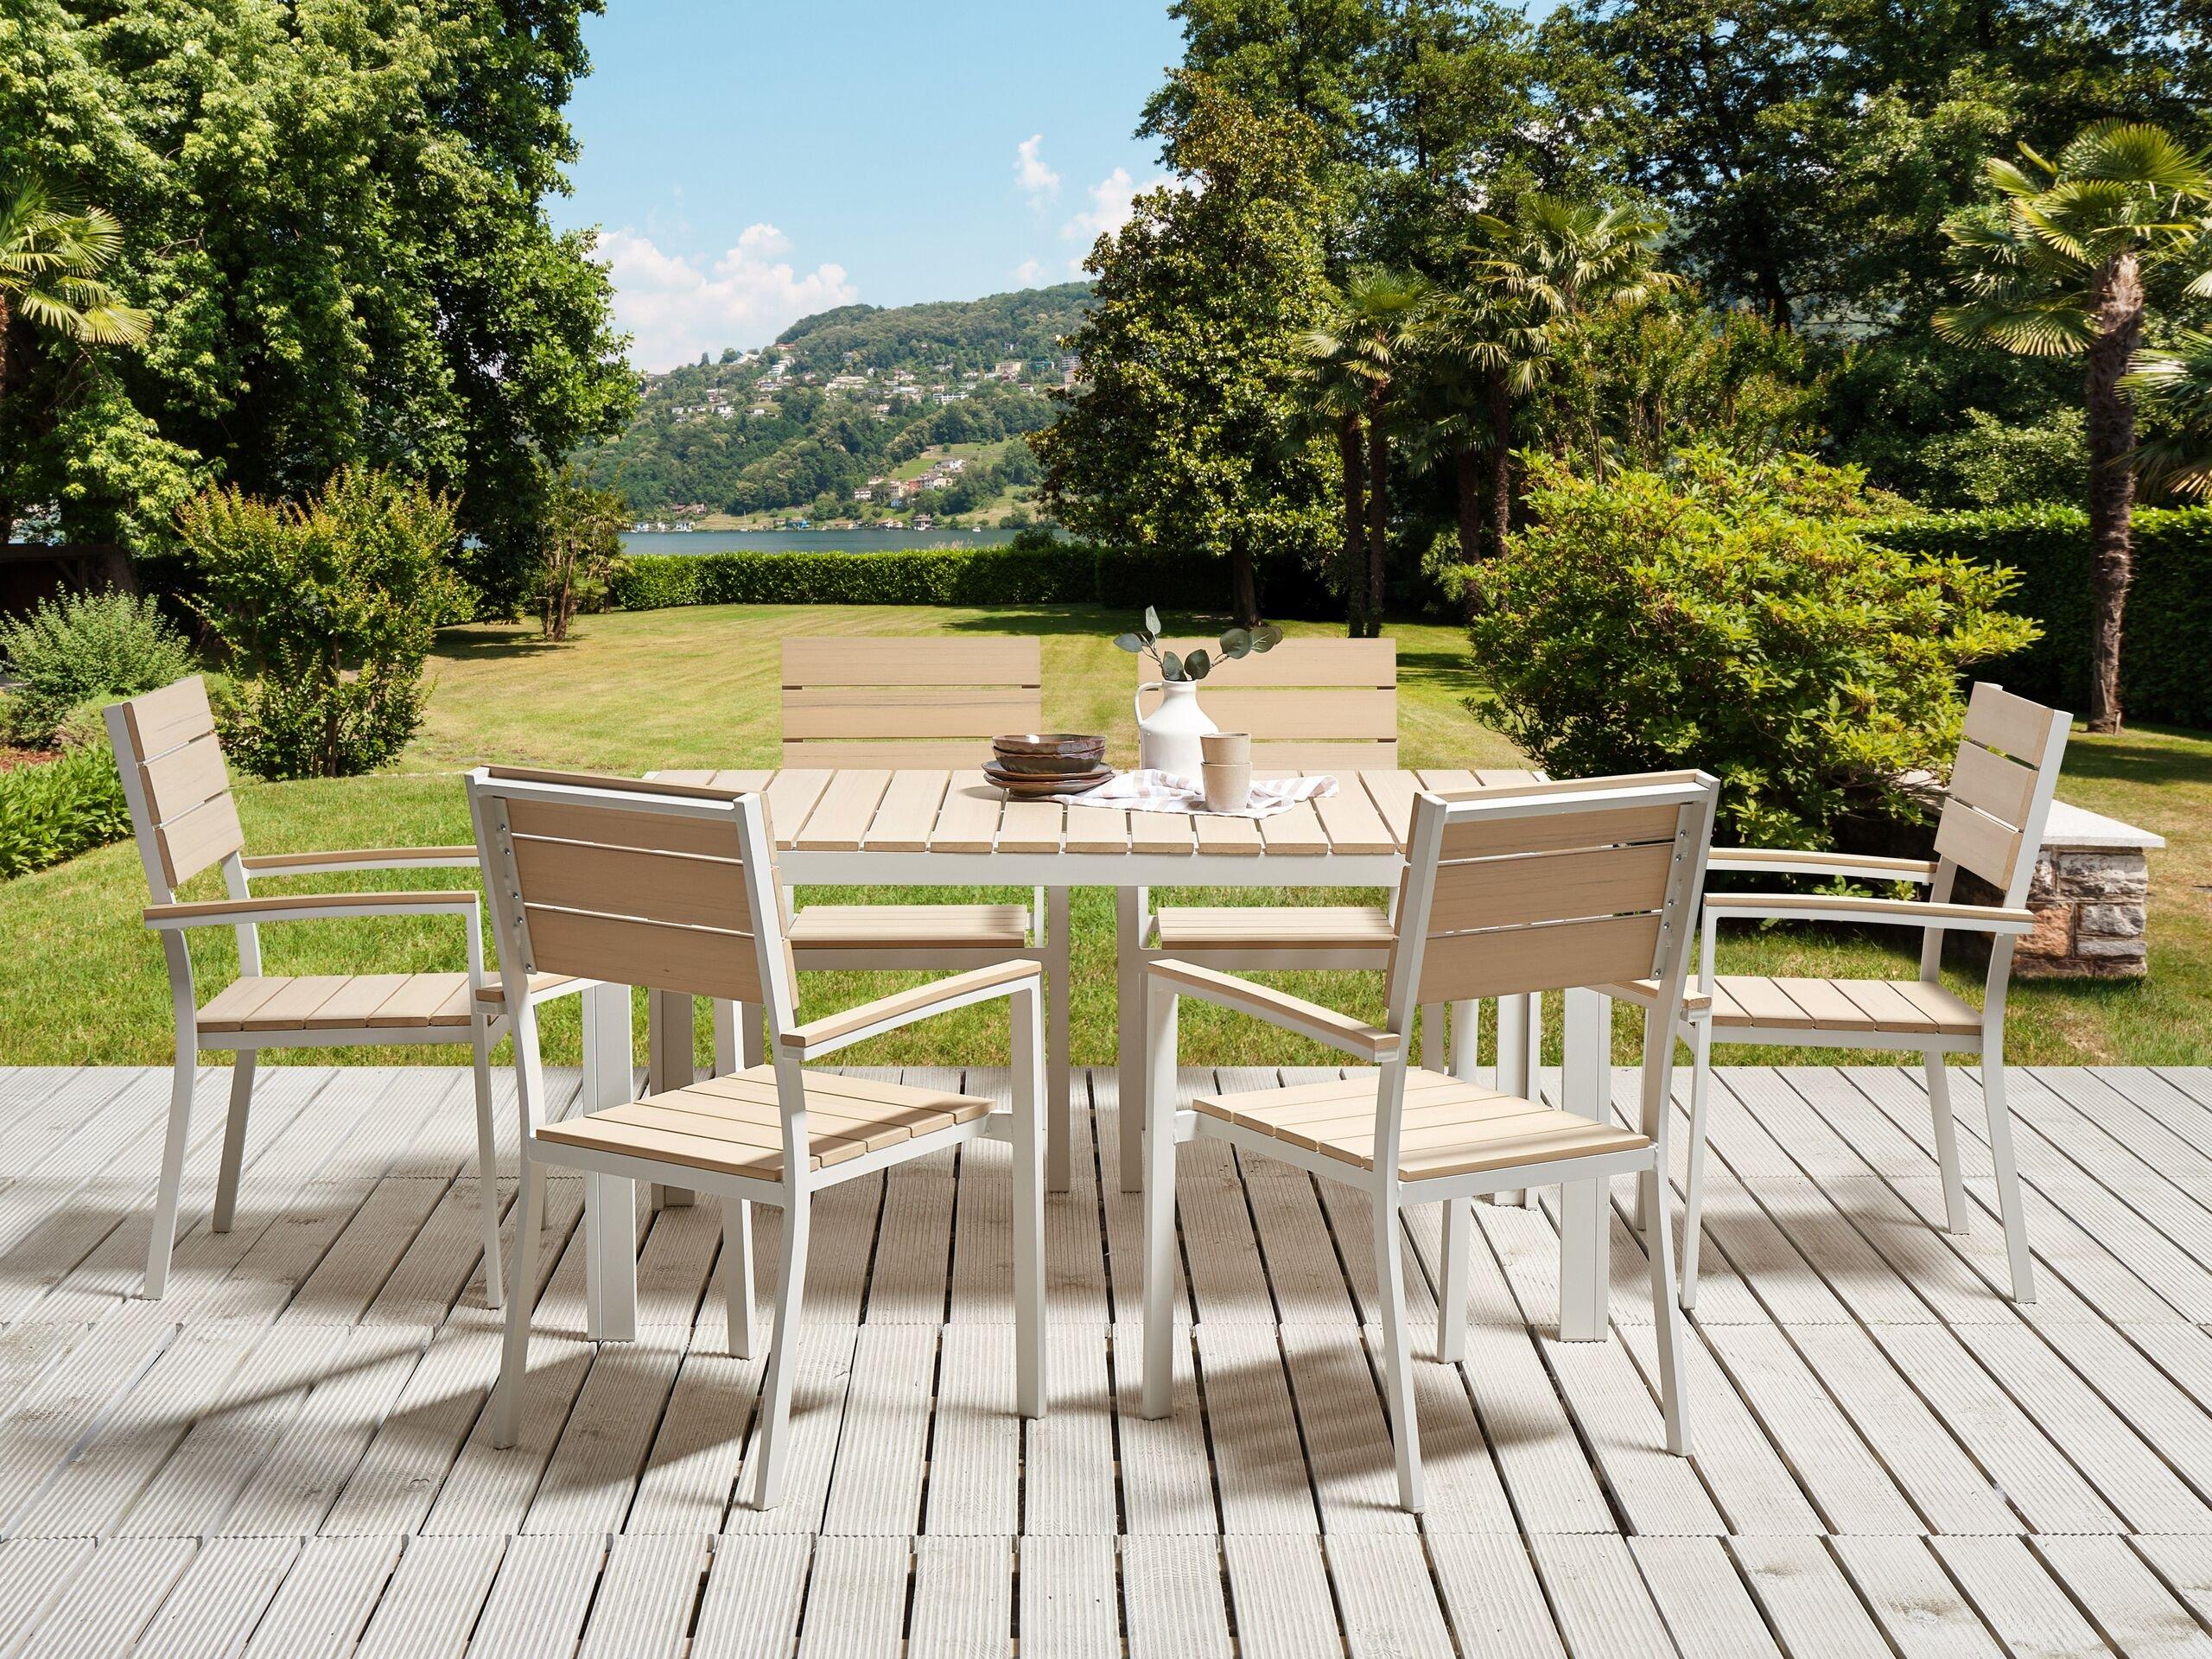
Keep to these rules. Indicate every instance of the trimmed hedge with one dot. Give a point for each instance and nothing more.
(1056, 574)
(2166, 659)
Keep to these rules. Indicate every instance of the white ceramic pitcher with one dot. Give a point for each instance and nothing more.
(1167, 738)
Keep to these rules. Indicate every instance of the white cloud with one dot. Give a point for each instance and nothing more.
(749, 296)
(1030, 272)
(1113, 200)
(1037, 182)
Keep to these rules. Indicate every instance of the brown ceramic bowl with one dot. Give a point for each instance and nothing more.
(1047, 765)
(1066, 745)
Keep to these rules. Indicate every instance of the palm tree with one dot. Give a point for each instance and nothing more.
(2176, 385)
(1335, 397)
(1365, 351)
(1556, 261)
(2057, 269)
(50, 258)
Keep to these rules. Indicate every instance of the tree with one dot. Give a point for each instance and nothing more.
(2059, 267)
(1361, 357)
(50, 259)
(583, 546)
(2176, 385)
(1190, 355)
(336, 217)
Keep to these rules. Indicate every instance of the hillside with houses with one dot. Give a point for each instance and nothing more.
(857, 417)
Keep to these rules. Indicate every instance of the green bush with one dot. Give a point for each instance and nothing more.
(328, 610)
(2162, 663)
(1739, 619)
(81, 648)
(1032, 570)
(59, 809)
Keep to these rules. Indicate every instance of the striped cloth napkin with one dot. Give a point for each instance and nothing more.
(1149, 790)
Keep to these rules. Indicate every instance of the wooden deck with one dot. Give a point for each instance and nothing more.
(284, 1458)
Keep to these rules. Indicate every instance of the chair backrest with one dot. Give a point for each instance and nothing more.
(871, 701)
(2001, 788)
(1541, 887)
(671, 886)
(1309, 704)
(174, 781)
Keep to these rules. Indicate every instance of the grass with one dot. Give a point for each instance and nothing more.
(81, 982)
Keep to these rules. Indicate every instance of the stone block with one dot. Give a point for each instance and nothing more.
(2053, 935)
(2132, 950)
(2111, 921)
(2105, 877)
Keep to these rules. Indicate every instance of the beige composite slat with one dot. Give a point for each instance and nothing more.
(1353, 825)
(1032, 827)
(671, 886)
(1172, 833)
(1295, 833)
(1997, 720)
(611, 826)
(1883, 1003)
(1988, 847)
(839, 819)
(1446, 783)
(426, 1000)
(1097, 829)
(1763, 1001)
(749, 780)
(1949, 1012)
(182, 778)
(1224, 837)
(352, 1003)
(1546, 886)
(837, 659)
(1457, 966)
(907, 813)
(229, 1009)
(1339, 760)
(160, 721)
(1393, 793)
(1307, 715)
(703, 961)
(1505, 778)
(790, 794)
(1261, 926)
(199, 839)
(2000, 787)
(1825, 1003)
(969, 820)
(1296, 661)
(887, 754)
(1601, 827)
(295, 1001)
(862, 927)
(878, 712)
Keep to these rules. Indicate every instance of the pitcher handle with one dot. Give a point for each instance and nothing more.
(1136, 702)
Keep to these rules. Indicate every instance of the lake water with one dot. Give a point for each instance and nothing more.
(819, 541)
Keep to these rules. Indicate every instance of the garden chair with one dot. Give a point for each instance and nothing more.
(675, 888)
(1533, 887)
(1991, 827)
(179, 795)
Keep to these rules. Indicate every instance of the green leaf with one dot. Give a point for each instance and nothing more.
(1128, 642)
(1266, 637)
(1151, 623)
(1196, 665)
(1171, 666)
(1235, 643)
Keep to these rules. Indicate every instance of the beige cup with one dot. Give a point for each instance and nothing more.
(1229, 785)
(1228, 748)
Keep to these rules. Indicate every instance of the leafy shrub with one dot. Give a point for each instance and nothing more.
(1989, 463)
(85, 647)
(59, 809)
(327, 609)
(1740, 619)
(2162, 659)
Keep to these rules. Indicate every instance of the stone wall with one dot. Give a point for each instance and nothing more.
(2092, 915)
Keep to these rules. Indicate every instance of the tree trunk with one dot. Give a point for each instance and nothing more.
(1467, 485)
(1350, 451)
(1378, 515)
(1499, 398)
(2112, 480)
(1244, 588)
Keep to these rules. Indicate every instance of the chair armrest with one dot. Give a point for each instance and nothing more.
(1339, 1031)
(309, 907)
(379, 858)
(1777, 861)
(1644, 993)
(544, 987)
(837, 1031)
(1879, 913)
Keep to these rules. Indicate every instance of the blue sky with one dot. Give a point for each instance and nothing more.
(752, 163)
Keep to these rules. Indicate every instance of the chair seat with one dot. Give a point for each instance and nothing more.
(337, 1002)
(1451, 1128)
(1284, 927)
(1910, 1007)
(735, 1125)
(910, 927)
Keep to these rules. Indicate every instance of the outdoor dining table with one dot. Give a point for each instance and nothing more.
(871, 827)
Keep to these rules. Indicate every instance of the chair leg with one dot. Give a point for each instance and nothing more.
(487, 1166)
(172, 1178)
(1058, 1149)
(2008, 1178)
(1693, 1208)
(610, 1263)
(514, 1353)
(771, 1449)
(1584, 1215)
(1459, 1239)
(1028, 1206)
(1397, 1357)
(226, 1177)
(1128, 916)
(1532, 1060)
(1159, 1210)
(1666, 1318)
(1957, 1212)
(737, 1275)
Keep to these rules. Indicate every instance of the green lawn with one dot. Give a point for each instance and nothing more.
(81, 982)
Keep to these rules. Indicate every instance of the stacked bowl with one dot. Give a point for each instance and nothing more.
(1033, 764)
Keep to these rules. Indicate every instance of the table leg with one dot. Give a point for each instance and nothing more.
(1058, 1141)
(1129, 1016)
(1515, 1042)
(669, 1066)
(1586, 1078)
